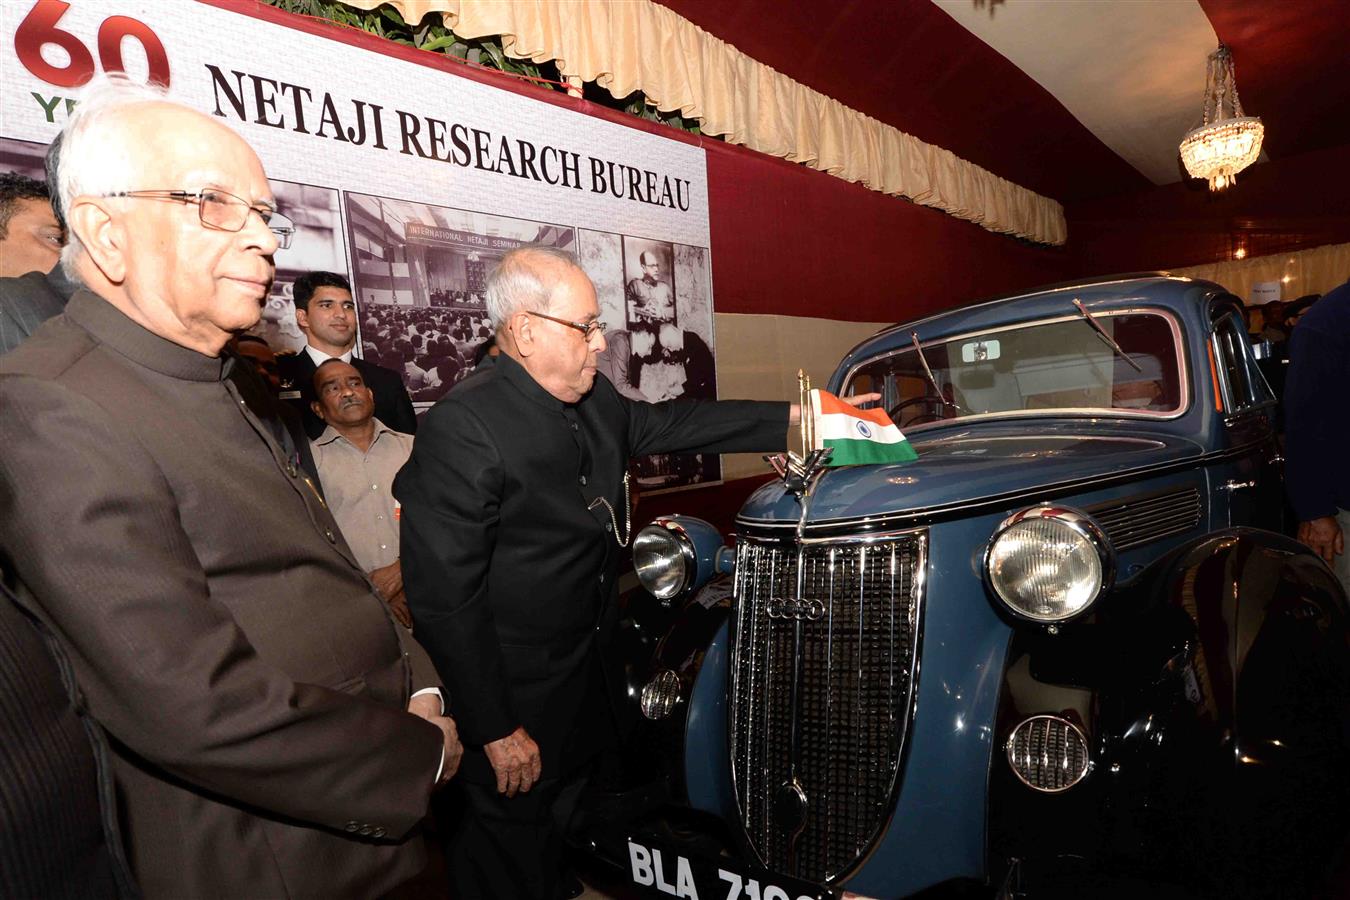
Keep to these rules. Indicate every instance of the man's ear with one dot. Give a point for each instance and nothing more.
(318, 409)
(302, 317)
(102, 234)
(522, 330)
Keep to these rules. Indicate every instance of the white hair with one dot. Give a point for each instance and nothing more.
(96, 155)
(516, 284)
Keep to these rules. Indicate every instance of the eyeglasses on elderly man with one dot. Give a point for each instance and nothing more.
(222, 210)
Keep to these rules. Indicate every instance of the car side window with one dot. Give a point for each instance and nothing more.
(1244, 385)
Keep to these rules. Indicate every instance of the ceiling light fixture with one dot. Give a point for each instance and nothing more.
(1224, 144)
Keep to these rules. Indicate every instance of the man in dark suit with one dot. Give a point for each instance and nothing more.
(29, 300)
(512, 503)
(56, 838)
(32, 230)
(266, 737)
(326, 313)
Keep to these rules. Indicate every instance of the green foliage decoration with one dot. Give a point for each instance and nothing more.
(432, 35)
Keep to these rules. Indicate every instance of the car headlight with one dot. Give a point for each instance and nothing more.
(676, 555)
(663, 557)
(1048, 564)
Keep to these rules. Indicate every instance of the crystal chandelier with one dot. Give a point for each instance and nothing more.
(1226, 143)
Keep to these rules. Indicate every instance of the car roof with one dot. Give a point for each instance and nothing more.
(1181, 294)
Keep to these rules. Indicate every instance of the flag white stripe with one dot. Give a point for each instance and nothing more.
(839, 426)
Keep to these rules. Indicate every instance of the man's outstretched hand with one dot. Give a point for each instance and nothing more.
(515, 759)
(795, 410)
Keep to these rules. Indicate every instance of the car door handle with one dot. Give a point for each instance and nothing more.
(1237, 485)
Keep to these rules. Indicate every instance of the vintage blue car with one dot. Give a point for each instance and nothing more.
(1067, 650)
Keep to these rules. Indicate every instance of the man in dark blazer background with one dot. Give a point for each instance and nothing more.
(29, 298)
(326, 313)
(268, 735)
(513, 500)
(26, 301)
(58, 836)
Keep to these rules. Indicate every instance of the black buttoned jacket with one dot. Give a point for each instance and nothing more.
(509, 569)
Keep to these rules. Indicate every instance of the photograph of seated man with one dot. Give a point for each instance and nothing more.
(656, 356)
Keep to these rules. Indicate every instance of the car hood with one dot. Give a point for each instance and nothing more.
(956, 469)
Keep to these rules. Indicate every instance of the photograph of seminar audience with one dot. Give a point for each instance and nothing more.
(416, 254)
(420, 276)
(432, 347)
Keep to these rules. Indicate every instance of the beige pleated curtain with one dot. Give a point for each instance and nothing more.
(628, 45)
(1313, 271)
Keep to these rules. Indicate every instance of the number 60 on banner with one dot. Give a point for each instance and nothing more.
(38, 29)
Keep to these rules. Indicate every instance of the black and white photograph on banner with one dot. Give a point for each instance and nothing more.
(420, 277)
(316, 246)
(649, 294)
(656, 299)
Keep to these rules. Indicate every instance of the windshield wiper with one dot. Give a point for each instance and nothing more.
(937, 391)
(1101, 333)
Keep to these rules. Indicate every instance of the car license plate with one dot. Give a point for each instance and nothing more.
(693, 877)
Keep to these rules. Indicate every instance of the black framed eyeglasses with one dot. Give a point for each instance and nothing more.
(588, 329)
(223, 211)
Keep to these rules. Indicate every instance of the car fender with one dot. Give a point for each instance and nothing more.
(1266, 610)
(1272, 620)
(1226, 656)
(690, 744)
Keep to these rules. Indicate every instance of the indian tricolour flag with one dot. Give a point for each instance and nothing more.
(857, 436)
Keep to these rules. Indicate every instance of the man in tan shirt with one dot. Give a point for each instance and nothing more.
(358, 457)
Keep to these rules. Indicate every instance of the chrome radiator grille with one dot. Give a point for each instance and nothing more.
(823, 675)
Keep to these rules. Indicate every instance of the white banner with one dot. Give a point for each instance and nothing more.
(410, 179)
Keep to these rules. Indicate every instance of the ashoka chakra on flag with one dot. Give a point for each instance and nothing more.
(857, 436)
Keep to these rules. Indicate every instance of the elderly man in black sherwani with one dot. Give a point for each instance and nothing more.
(510, 558)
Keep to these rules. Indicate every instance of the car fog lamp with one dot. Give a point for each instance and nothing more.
(1048, 753)
(1048, 564)
(660, 695)
(663, 560)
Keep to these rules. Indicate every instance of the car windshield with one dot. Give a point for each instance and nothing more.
(1058, 366)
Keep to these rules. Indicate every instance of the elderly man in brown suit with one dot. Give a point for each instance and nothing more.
(268, 737)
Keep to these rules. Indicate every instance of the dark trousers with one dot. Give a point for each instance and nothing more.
(509, 849)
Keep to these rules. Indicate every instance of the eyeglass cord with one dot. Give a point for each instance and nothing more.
(628, 512)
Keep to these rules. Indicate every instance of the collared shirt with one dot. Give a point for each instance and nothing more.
(320, 357)
(359, 490)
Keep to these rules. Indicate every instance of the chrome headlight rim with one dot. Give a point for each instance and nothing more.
(1009, 750)
(1081, 524)
(688, 557)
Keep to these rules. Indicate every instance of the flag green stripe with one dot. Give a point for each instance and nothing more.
(856, 453)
